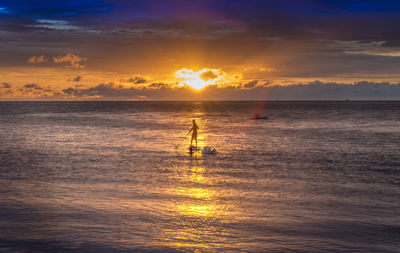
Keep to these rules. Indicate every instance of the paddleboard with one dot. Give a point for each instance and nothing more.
(193, 148)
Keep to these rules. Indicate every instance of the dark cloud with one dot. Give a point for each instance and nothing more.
(6, 85)
(159, 85)
(77, 79)
(5, 89)
(32, 91)
(251, 84)
(302, 91)
(333, 91)
(316, 90)
(136, 80)
(109, 90)
(209, 75)
(113, 91)
(33, 86)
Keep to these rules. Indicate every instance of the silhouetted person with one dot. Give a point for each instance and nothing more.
(194, 130)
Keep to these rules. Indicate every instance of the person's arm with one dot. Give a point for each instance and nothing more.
(191, 129)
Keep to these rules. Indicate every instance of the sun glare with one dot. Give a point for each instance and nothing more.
(199, 79)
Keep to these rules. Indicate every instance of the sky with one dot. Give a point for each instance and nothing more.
(199, 50)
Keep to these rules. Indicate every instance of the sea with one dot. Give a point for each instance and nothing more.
(315, 176)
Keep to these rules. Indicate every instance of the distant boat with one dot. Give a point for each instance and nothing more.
(257, 117)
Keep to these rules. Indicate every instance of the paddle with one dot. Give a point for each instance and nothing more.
(181, 141)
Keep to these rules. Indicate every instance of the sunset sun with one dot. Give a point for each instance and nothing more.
(199, 79)
(196, 83)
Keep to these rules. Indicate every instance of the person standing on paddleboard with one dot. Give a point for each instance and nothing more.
(194, 134)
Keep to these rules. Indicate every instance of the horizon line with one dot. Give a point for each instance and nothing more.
(221, 100)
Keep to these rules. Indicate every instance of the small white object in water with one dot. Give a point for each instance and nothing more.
(209, 150)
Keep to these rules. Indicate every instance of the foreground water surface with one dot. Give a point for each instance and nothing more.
(106, 177)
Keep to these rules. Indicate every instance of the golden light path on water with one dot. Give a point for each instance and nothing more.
(199, 209)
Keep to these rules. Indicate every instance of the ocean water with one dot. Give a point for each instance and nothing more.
(106, 177)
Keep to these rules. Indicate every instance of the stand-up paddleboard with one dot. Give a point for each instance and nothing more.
(192, 148)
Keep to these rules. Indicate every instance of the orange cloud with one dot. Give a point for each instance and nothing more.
(136, 80)
(37, 59)
(74, 61)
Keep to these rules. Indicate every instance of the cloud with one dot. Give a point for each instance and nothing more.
(254, 91)
(113, 91)
(74, 61)
(33, 86)
(210, 75)
(136, 80)
(31, 91)
(5, 89)
(318, 90)
(77, 79)
(159, 85)
(374, 48)
(60, 25)
(251, 84)
(109, 90)
(6, 85)
(37, 59)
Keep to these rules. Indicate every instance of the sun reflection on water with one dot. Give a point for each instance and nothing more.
(199, 211)
(199, 201)
(197, 176)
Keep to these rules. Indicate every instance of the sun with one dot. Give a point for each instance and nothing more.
(196, 83)
(198, 79)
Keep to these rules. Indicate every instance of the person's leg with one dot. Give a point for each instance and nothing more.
(196, 141)
(191, 140)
